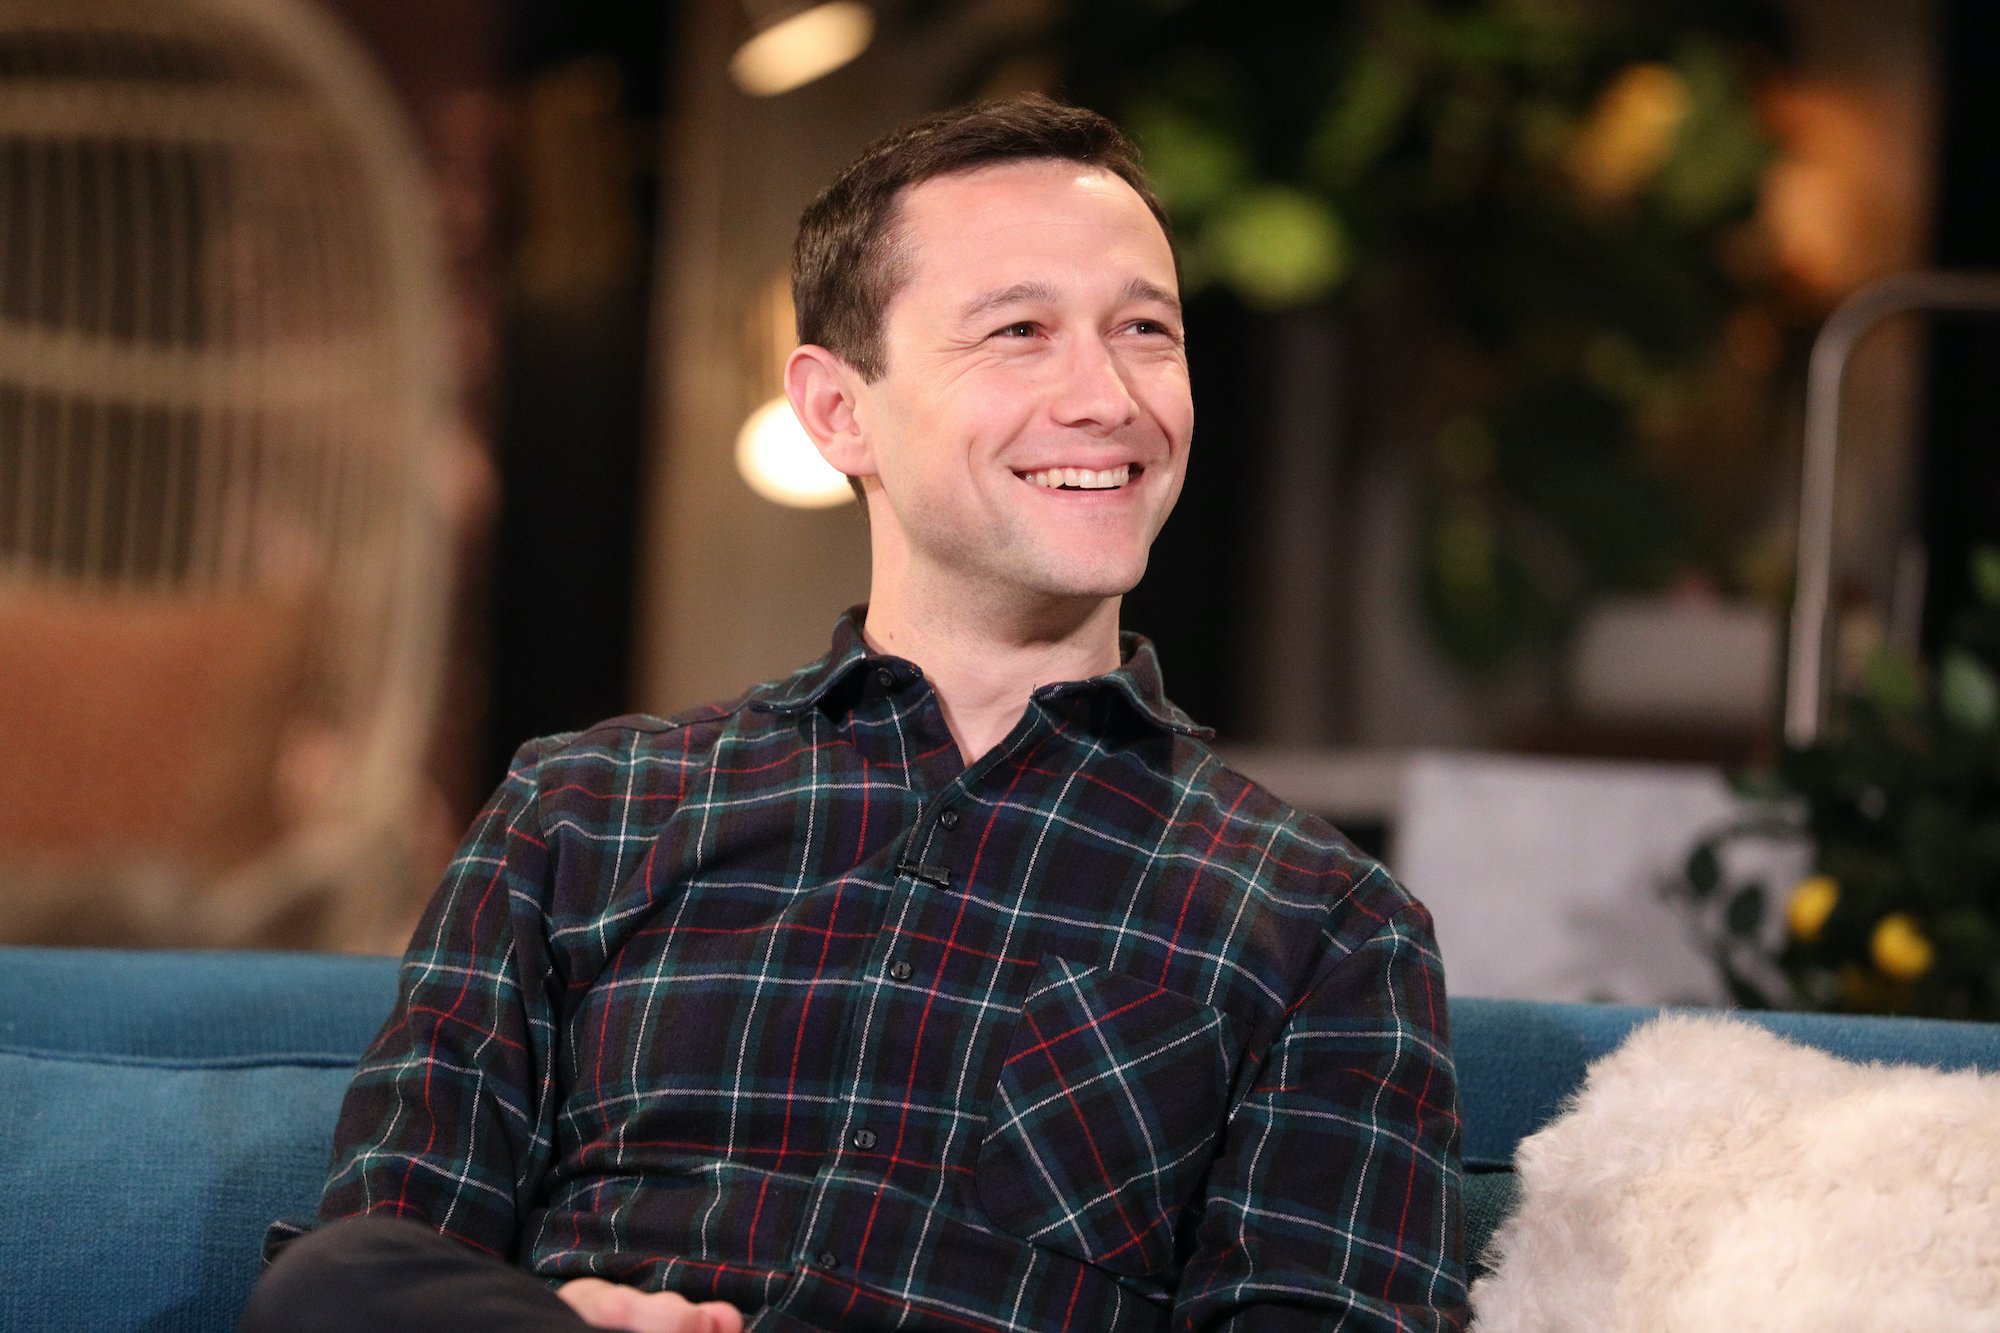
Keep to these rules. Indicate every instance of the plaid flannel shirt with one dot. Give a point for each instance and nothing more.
(778, 1002)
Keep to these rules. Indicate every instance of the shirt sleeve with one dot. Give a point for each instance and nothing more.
(1335, 1201)
(449, 1115)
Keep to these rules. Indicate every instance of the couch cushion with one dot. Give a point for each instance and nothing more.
(159, 1005)
(139, 1190)
(193, 691)
(159, 1110)
(1489, 1198)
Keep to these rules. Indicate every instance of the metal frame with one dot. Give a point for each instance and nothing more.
(1899, 293)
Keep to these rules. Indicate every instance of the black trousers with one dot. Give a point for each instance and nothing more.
(392, 1275)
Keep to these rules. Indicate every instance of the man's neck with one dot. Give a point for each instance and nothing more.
(984, 665)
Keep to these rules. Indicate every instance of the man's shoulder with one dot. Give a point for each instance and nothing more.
(1206, 777)
(1300, 861)
(690, 733)
(634, 744)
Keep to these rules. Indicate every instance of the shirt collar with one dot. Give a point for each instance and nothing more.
(1136, 681)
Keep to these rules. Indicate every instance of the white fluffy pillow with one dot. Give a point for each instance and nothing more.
(1711, 1176)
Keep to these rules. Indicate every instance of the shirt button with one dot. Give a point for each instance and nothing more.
(828, 1260)
(900, 970)
(864, 1139)
(949, 819)
(885, 678)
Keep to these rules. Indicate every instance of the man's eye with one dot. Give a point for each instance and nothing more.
(1019, 329)
(1151, 326)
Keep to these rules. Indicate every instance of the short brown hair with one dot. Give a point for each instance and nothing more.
(845, 261)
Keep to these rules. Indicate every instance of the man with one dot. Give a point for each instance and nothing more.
(950, 982)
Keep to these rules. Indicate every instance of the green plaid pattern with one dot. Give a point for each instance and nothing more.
(1136, 1076)
(779, 1003)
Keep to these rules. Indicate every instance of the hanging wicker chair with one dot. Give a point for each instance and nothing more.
(223, 397)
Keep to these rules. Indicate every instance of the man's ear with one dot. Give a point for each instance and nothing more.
(823, 389)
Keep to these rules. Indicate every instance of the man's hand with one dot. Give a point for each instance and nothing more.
(608, 1305)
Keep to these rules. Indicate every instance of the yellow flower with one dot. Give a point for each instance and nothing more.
(1811, 904)
(1900, 949)
(1630, 133)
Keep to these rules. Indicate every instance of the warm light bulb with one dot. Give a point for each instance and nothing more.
(777, 458)
(795, 51)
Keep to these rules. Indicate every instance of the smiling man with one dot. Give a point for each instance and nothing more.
(950, 982)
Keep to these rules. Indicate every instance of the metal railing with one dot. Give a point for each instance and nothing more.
(1899, 293)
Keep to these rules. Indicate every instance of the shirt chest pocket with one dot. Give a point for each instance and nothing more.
(1105, 1116)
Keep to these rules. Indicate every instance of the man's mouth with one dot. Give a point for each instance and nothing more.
(1080, 478)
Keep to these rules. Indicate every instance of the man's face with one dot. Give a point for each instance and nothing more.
(1031, 428)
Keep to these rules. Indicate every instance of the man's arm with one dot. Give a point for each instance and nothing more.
(1335, 1202)
(448, 1118)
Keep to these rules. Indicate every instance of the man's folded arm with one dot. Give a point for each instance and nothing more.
(448, 1118)
(1334, 1203)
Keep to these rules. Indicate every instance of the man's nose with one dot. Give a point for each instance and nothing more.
(1094, 394)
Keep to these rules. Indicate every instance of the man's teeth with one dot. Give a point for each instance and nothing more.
(1081, 478)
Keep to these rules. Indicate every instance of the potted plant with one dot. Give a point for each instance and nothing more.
(1899, 805)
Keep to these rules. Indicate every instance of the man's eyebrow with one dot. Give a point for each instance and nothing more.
(1141, 290)
(1019, 292)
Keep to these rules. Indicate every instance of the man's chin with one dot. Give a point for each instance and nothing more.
(1091, 585)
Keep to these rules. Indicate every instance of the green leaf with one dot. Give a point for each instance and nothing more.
(1986, 574)
(1965, 931)
(1704, 870)
(1743, 992)
(1363, 119)
(1892, 683)
(1720, 150)
(1745, 912)
(1192, 163)
(1279, 247)
(1482, 599)
(1967, 692)
(1758, 785)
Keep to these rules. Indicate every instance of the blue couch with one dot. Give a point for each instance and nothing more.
(156, 1109)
